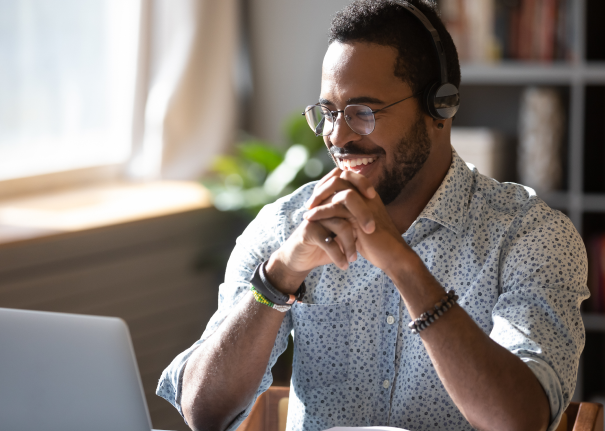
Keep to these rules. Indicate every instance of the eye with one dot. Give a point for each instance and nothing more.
(364, 115)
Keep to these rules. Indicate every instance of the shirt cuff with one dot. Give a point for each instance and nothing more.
(552, 387)
(171, 382)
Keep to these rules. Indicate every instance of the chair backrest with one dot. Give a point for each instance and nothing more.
(271, 408)
(582, 417)
(269, 412)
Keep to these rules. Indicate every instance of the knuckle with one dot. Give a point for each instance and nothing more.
(312, 229)
(338, 198)
(350, 196)
(334, 181)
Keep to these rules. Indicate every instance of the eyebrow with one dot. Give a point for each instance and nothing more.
(354, 100)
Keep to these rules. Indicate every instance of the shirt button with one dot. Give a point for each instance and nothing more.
(390, 320)
(385, 384)
(418, 226)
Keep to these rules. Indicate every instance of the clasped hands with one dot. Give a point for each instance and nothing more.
(346, 204)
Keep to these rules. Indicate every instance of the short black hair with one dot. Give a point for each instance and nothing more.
(386, 23)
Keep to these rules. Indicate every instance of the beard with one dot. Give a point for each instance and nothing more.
(409, 157)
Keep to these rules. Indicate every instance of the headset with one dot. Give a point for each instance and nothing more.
(440, 98)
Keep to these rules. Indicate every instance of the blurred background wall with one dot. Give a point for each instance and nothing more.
(287, 41)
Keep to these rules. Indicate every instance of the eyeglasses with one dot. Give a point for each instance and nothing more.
(360, 118)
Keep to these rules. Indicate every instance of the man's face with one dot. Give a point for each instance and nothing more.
(390, 157)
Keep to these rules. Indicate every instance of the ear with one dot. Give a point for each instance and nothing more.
(441, 125)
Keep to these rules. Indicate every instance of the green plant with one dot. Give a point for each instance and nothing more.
(260, 172)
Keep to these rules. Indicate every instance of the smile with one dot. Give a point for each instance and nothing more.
(347, 164)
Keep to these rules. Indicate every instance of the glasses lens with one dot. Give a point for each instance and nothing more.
(360, 119)
(319, 119)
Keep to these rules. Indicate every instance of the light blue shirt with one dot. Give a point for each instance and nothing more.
(518, 266)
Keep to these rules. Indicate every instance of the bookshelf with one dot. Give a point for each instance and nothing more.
(490, 95)
(574, 78)
(515, 73)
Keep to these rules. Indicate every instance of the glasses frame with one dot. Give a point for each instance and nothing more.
(334, 114)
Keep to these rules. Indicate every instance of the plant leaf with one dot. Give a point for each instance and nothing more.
(262, 153)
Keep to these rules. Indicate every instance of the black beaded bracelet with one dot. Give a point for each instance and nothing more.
(425, 319)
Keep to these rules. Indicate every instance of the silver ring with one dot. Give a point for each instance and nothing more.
(330, 237)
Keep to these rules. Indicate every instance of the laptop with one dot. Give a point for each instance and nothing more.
(68, 372)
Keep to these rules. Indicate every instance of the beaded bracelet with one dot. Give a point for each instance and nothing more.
(425, 319)
(263, 300)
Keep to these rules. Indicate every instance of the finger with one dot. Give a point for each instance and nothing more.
(329, 210)
(316, 234)
(348, 205)
(327, 189)
(334, 173)
(345, 236)
(360, 182)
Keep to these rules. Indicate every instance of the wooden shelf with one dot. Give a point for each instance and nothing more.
(517, 73)
(594, 202)
(594, 321)
(588, 202)
(557, 200)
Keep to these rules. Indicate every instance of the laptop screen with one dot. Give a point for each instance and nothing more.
(64, 372)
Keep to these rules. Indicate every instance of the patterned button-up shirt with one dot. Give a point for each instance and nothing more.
(518, 266)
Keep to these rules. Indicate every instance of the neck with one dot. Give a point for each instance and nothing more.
(418, 192)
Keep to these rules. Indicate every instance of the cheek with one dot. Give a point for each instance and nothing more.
(390, 129)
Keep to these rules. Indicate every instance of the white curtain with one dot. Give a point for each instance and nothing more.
(186, 109)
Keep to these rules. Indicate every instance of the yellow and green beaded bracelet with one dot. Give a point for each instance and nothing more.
(261, 298)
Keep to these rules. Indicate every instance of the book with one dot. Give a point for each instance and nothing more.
(527, 30)
(542, 122)
(484, 148)
(471, 23)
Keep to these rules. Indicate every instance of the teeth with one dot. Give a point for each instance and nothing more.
(351, 163)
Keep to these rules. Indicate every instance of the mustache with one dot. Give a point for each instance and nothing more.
(353, 148)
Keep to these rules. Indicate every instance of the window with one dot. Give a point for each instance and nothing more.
(67, 84)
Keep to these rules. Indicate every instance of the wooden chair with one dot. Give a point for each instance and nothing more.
(269, 412)
(582, 417)
(271, 408)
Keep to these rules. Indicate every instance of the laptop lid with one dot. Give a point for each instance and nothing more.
(68, 372)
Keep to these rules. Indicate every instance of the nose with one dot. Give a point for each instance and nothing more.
(342, 133)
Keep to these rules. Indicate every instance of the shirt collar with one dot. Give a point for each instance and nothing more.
(449, 204)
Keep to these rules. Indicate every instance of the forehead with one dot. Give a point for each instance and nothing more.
(360, 69)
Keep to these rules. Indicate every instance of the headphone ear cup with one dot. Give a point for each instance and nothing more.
(441, 101)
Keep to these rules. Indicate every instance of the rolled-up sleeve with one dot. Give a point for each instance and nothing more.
(537, 316)
(261, 238)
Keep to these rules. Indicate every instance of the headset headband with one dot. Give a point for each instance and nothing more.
(441, 99)
(434, 34)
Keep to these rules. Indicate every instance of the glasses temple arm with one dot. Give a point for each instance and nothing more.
(399, 101)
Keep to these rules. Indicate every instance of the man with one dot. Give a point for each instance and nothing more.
(378, 242)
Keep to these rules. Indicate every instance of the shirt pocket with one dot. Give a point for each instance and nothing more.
(321, 344)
